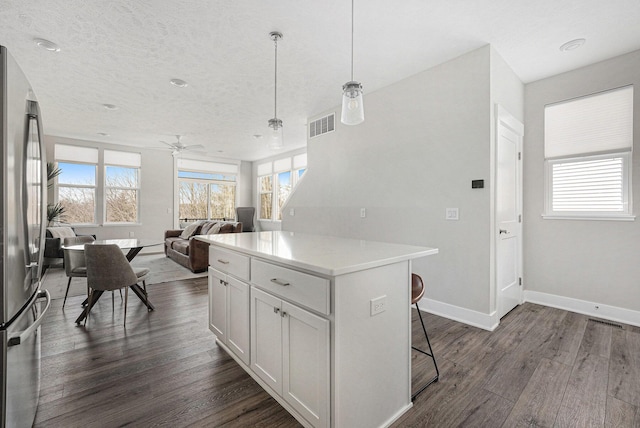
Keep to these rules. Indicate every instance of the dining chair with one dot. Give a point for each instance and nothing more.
(417, 291)
(108, 269)
(245, 215)
(74, 264)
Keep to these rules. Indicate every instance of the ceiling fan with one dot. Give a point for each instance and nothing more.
(179, 147)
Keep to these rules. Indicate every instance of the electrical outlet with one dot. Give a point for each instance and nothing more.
(378, 305)
(363, 212)
(451, 214)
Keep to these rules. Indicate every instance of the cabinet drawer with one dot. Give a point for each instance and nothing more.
(229, 262)
(307, 290)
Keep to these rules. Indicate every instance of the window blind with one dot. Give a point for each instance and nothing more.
(131, 159)
(64, 152)
(197, 165)
(593, 124)
(589, 186)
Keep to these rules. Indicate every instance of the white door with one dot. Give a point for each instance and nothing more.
(509, 133)
(218, 304)
(305, 352)
(266, 338)
(238, 318)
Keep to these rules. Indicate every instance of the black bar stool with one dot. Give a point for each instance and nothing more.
(417, 291)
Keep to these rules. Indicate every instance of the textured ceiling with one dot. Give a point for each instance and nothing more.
(125, 52)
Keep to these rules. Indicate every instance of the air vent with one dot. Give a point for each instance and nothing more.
(322, 125)
(612, 324)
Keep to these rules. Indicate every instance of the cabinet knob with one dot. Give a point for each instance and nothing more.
(283, 314)
(276, 310)
(224, 262)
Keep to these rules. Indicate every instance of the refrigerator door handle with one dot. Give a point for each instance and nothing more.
(19, 337)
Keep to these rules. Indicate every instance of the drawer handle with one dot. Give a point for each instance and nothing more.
(224, 262)
(277, 281)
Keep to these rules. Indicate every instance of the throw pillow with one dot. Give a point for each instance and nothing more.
(190, 230)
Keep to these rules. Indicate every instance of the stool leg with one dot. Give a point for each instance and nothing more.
(430, 354)
(66, 292)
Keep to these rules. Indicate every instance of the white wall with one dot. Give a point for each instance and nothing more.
(156, 192)
(591, 261)
(424, 140)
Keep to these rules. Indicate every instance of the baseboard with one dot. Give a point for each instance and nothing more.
(467, 316)
(612, 313)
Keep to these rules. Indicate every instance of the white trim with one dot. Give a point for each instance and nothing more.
(613, 313)
(625, 217)
(467, 316)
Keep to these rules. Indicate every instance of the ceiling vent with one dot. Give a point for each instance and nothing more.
(322, 125)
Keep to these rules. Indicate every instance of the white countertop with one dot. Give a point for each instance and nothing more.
(328, 255)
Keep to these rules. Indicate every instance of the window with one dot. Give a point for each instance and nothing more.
(121, 186)
(588, 146)
(276, 180)
(76, 189)
(206, 190)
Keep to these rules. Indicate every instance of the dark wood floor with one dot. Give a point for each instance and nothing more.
(541, 367)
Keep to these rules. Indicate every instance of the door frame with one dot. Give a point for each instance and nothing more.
(506, 119)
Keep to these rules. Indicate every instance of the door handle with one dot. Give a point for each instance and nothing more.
(21, 336)
(504, 231)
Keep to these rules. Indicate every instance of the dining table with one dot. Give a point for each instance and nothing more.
(134, 246)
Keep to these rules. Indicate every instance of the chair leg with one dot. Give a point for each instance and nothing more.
(113, 305)
(146, 296)
(66, 292)
(120, 290)
(430, 354)
(88, 306)
(126, 298)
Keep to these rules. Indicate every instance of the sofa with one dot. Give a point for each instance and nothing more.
(181, 246)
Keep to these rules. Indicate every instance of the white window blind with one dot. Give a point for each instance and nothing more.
(131, 159)
(198, 165)
(65, 152)
(265, 168)
(595, 185)
(593, 124)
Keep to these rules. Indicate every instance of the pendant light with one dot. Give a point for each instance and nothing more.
(275, 136)
(352, 106)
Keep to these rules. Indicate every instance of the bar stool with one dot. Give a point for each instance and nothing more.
(417, 291)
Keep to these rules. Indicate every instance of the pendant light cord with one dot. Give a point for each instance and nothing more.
(275, 86)
(352, 1)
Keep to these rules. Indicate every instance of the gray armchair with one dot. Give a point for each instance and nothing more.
(108, 269)
(245, 216)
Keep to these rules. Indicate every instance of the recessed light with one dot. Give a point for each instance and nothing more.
(178, 82)
(47, 44)
(572, 45)
(104, 134)
(110, 106)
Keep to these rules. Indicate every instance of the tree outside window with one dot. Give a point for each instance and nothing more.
(121, 194)
(77, 192)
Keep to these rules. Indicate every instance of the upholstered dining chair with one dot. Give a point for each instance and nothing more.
(108, 269)
(74, 264)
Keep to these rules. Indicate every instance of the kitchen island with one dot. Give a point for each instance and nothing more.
(322, 323)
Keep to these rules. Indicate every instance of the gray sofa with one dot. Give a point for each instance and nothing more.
(181, 247)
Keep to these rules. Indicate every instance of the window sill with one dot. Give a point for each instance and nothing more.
(622, 217)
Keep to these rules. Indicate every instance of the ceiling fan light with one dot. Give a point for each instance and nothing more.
(352, 104)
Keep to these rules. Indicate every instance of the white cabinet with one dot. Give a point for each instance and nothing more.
(290, 353)
(300, 305)
(229, 312)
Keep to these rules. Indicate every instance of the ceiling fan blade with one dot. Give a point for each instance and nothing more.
(168, 144)
(194, 147)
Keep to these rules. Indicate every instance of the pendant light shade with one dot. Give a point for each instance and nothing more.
(352, 100)
(276, 140)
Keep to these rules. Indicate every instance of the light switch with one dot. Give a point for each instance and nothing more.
(363, 212)
(451, 214)
(292, 212)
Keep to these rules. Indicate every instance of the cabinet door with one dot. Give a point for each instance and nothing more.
(218, 304)
(306, 359)
(266, 338)
(238, 318)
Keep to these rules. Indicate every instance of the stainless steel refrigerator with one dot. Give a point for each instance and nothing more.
(22, 228)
